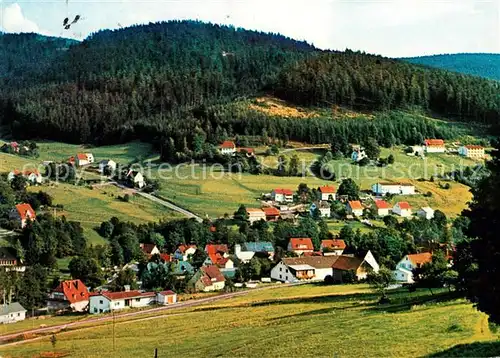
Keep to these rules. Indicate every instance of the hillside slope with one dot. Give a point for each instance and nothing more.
(157, 81)
(476, 64)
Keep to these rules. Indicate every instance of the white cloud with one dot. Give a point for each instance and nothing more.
(13, 20)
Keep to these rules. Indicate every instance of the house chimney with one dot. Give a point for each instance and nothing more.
(126, 287)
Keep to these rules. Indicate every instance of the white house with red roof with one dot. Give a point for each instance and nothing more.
(328, 192)
(332, 247)
(471, 151)
(434, 146)
(227, 147)
(111, 301)
(404, 268)
(82, 159)
(184, 251)
(69, 295)
(355, 208)
(300, 245)
(166, 297)
(22, 213)
(271, 213)
(282, 195)
(383, 208)
(402, 209)
(33, 176)
(208, 278)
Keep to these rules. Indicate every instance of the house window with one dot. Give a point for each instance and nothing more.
(137, 300)
(281, 269)
(286, 270)
(280, 276)
(18, 315)
(95, 309)
(100, 302)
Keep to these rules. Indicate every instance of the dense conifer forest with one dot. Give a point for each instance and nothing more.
(177, 82)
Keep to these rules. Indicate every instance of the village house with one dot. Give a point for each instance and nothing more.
(272, 214)
(8, 260)
(264, 247)
(434, 146)
(402, 209)
(300, 245)
(308, 268)
(208, 278)
(243, 256)
(332, 247)
(11, 313)
(358, 155)
(471, 151)
(184, 251)
(32, 176)
(282, 195)
(107, 165)
(404, 268)
(248, 151)
(70, 295)
(383, 208)
(227, 148)
(360, 266)
(149, 249)
(426, 212)
(382, 189)
(255, 215)
(218, 255)
(136, 178)
(324, 209)
(10, 147)
(22, 213)
(166, 297)
(111, 301)
(83, 159)
(355, 208)
(328, 193)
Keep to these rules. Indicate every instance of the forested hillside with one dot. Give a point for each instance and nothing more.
(176, 80)
(485, 65)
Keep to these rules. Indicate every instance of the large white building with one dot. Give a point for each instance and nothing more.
(308, 268)
(112, 301)
(282, 195)
(434, 146)
(382, 189)
(472, 151)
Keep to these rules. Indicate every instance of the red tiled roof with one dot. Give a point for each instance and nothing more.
(212, 249)
(327, 189)
(211, 274)
(312, 254)
(422, 258)
(381, 204)
(434, 142)
(474, 147)
(333, 244)
(283, 191)
(346, 263)
(167, 293)
(183, 248)
(25, 210)
(248, 150)
(228, 144)
(31, 171)
(356, 205)
(82, 156)
(166, 257)
(147, 248)
(271, 211)
(73, 290)
(126, 294)
(301, 244)
(403, 205)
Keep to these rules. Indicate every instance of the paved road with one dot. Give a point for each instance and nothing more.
(106, 318)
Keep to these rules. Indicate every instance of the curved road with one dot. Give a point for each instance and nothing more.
(48, 329)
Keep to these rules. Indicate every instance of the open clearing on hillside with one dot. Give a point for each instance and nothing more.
(217, 193)
(308, 320)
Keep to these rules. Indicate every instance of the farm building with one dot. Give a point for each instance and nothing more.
(402, 209)
(382, 189)
(12, 312)
(111, 301)
(404, 268)
(434, 146)
(313, 268)
(471, 151)
(69, 295)
(361, 266)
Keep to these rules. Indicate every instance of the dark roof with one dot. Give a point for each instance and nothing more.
(14, 307)
(346, 263)
(314, 261)
(7, 253)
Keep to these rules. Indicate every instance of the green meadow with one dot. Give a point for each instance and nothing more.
(301, 321)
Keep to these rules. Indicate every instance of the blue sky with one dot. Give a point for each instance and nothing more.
(394, 28)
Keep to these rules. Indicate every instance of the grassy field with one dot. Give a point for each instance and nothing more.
(319, 321)
(217, 193)
(93, 206)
